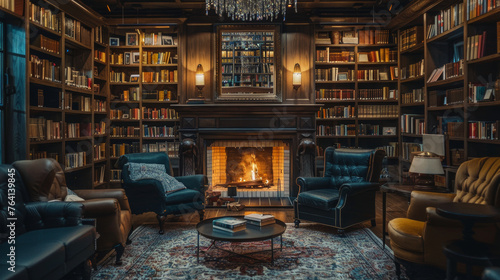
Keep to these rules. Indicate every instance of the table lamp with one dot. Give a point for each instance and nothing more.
(200, 80)
(426, 164)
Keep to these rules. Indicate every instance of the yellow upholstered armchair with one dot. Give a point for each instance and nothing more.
(420, 237)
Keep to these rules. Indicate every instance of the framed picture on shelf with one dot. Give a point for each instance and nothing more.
(132, 39)
(342, 76)
(391, 130)
(113, 41)
(383, 76)
(167, 40)
(489, 95)
(126, 57)
(136, 57)
(134, 78)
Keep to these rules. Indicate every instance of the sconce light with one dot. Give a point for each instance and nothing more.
(200, 80)
(297, 77)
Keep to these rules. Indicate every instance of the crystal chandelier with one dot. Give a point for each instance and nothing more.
(248, 10)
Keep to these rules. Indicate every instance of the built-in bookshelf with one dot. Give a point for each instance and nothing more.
(67, 94)
(144, 83)
(356, 80)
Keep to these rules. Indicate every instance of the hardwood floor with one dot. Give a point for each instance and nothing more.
(397, 205)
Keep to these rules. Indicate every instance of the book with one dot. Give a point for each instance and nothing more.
(259, 217)
(229, 223)
(260, 224)
(226, 230)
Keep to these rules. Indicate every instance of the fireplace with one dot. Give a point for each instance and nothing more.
(255, 168)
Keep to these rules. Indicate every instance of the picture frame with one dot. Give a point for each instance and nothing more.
(342, 76)
(134, 78)
(489, 94)
(132, 39)
(167, 40)
(114, 41)
(391, 130)
(127, 57)
(383, 76)
(136, 58)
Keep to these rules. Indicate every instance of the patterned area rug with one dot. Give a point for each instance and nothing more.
(309, 252)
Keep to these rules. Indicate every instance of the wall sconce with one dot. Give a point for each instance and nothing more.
(297, 77)
(200, 80)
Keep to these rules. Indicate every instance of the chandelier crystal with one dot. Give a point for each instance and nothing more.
(249, 10)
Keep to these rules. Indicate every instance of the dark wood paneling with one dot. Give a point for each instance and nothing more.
(298, 49)
(198, 50)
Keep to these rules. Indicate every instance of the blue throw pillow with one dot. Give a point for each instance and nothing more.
(143, 171)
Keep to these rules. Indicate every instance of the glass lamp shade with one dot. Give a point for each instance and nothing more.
(426, 165)
(297, 75)
(200, 76)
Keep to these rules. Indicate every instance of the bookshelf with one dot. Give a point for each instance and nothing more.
(65, 99)
(356, 81)
(144, 83)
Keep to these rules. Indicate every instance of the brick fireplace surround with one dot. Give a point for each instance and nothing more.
(205, 125)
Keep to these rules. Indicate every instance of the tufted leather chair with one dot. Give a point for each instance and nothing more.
(345, 195)
(420, 237)
(45, 181)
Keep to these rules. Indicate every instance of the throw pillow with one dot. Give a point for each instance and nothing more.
(143, 171)
(72, 196)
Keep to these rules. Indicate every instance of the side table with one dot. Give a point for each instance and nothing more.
(469, 251)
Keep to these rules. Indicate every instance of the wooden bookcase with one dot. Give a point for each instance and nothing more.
(140, 93)
(358, 94)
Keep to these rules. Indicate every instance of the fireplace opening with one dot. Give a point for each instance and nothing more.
(256, 168)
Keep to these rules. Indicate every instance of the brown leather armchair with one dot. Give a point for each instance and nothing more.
(420, 237)
(109, 207)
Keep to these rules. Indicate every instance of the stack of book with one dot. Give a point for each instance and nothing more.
(259, 219)
(229, 224)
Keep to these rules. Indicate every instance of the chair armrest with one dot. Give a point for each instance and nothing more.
(421, 200)
(118, 194)
(42, 215)
(149, 186)
(433, 218)
(313, 183)
(195, 182)
(99, 207)
(355, 188)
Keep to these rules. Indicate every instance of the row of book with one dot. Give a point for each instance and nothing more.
(45, 17)
(448, 97)
(117, 150)
(447, 71)
(336, 112)
(344, 37)
(76, 130)
(158, 131)
(34, 154)
(41, 129)
(158, 58)
(334, 94)
(77, 78)
(161, 113)
(15, 6)
(158, 95)
(369, 129)
(445, 20)
(159, 39)
(383, 93)
(125, 131)
(44, 69)
(391, 150)
(76, 31)
(74, 160)
(131, 94)
(100, 151)
(164, 76)
(121, 77)
(77, 103)
(453, 128)
(481, 92)
(171, 148)
(371, 111)
(99, 105)
(47, 44)
(116, 175)
(376, 75)
(99, 35)
(122, 59)
(99, 172)
(413, 124)
(100, 55)
(372, 36)
(333, 56)
(336, 130)
(334, 74)
(477, 46)
(416, 95)
(382, 55)
(100, 128)
(413, 70)
(484, 130)
(476, 8)
(411, 37)
(410, 147)
(124, 114)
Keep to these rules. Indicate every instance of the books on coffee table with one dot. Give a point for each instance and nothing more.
(259, 219)
(229, 224)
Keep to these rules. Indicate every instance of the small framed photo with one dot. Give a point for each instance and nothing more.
(389, 130)
(383, 76)
(127, 57)
(132, 39)
(136, 57)
(134, 78)
(113, 41)
(167, 40)
(489, 94)
(342, 76)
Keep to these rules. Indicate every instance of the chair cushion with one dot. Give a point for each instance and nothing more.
(407, 234)
(324, 199)
(183, 196)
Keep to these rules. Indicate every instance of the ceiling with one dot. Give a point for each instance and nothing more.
(194, 8)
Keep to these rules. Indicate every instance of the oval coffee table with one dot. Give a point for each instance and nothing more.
(250, 234)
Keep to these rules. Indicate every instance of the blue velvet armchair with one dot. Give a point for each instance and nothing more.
(149, 196)
(345, 195)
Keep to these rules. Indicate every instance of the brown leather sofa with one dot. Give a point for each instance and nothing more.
(420, 237)
(109, 207)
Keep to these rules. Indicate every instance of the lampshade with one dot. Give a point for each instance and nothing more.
(200, 76)
(297, 75)
(426, 164)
